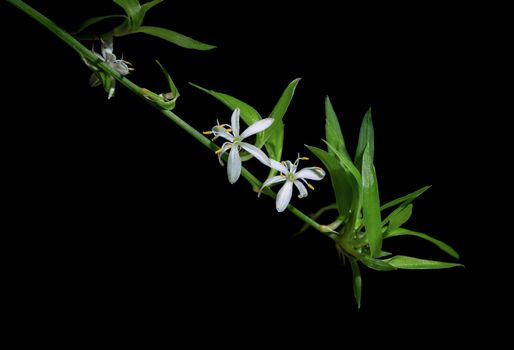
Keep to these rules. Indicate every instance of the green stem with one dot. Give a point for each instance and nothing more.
(89, 56)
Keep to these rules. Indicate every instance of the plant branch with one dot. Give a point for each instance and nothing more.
(93, 59)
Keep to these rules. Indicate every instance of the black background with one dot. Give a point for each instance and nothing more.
(126, 222)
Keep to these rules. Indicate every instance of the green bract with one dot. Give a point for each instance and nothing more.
(165, 100)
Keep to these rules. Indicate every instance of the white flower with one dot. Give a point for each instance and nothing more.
(235, 143)
(109, 58)
(291, 176)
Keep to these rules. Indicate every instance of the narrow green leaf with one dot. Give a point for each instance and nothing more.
(366, 139)
(344, 190)
(407, 198)
(383, 254)
(333, 130)
(139, 17)
(89, 22)
(398, 217)
(248, 113)
(174, 37)
(131, 7)
(147, 6)
(171, 84)
(346, 163)
(371, 204)
(410, 263)
(357, 281)
(376, 264)
(404, 232)
(274, 135)
(356, 185)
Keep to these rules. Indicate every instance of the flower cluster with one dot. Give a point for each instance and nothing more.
(109, 58)
(289, 173)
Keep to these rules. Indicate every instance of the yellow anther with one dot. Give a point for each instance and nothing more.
(304, 158)
(310, 186)
(218, 151)
(130, 66)
(207, 132)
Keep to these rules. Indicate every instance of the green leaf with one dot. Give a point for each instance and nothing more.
(274, 135)
(410, 263)
(89, 22)
(131, 7)
(346, 163)
(398, 217)
(366, 139)
(356, 185)
(147, 6)
(404, 232)
(174, 37)
(407, 198)
(383, 254)
(376, 264)
(171, 84)
(357, 281)
(344, 189)
(371, 204)
(333, 131)
(248, 113)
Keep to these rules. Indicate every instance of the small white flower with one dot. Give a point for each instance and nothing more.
(235, 143)
(109, 58)
(291, 176)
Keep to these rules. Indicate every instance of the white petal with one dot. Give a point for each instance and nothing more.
(302, 189)
(120, 67)
(235, 122)
(109, 57)
(257, 153)
(111, 90)
(99, 56)
(94, 81)
(278, 166)
(224, 148)
(234, 165)
(284, 196)
(257, 127)
(311, 173)
(271, 181)
(220, 131)
(107, 45)
(290, 166)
